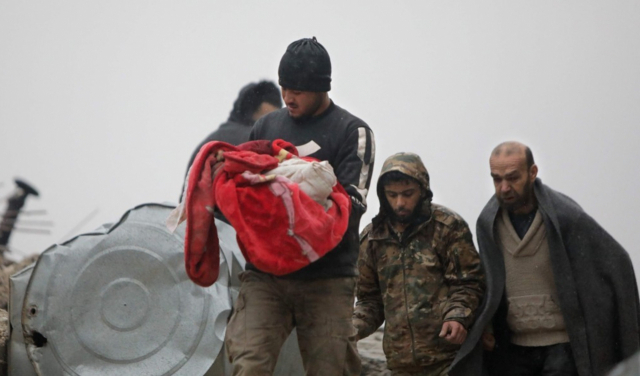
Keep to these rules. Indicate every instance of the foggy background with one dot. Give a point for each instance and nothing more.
(102, 103)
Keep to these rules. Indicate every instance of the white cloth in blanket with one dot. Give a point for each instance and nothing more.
(316, 179)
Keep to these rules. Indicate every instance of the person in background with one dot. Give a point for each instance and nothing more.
(255, 100)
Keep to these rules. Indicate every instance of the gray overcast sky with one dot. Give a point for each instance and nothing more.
(101, 103)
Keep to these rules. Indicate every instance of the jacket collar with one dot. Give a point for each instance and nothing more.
(381, 229)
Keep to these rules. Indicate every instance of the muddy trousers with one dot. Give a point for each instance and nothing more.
(267, 310)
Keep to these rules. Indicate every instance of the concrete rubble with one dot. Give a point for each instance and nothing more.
(7, 269)
(373, 359)
(4, 340)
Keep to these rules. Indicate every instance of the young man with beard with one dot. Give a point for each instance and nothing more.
(318, 299)
(419, 273)
(562, 293)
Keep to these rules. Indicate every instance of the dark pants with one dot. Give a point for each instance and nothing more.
(554, 360)
(438, 369)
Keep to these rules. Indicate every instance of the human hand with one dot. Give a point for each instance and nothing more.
(488, 341)
(453, 332)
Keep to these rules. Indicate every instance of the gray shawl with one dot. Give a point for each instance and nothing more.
(595, 280)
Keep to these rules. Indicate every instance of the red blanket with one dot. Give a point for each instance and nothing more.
(279, 228)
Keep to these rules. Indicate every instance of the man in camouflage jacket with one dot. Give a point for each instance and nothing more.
(418, 271)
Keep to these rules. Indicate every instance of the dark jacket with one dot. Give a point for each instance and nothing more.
(347, 143)
(595, 281)
(234, 131)
(237, 128)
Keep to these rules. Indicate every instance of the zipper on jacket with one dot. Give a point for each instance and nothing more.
(406, 304)
(458, 268)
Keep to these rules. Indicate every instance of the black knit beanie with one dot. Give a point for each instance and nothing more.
(305, 66)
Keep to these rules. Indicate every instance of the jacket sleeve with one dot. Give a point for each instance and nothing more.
(463, 274)
(354, 166)
(369, 311)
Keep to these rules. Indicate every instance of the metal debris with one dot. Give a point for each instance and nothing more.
(118, 302)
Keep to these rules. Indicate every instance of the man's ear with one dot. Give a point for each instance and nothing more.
(533, 172)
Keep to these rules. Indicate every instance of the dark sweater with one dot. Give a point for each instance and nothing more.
(229, 131)
(347, 143)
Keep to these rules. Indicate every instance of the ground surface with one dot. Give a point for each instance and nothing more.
(373, 360)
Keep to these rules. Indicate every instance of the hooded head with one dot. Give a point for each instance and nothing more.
(399, 166)
(251, 97)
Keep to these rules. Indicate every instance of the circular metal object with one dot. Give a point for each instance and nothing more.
(120, 303)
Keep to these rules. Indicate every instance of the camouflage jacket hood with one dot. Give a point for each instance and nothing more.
(411, 165)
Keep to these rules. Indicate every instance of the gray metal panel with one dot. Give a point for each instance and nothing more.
(289, 361)
(120, 303)
(19, 364)
(232, 255)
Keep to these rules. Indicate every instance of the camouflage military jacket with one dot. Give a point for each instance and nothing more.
(414, 282)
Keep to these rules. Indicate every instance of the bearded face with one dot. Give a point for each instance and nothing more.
(513, 180)
(404, 199)
(302, 104)
(515, 199)
(405, 217)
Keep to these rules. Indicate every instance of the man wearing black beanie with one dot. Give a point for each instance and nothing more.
(318, 299)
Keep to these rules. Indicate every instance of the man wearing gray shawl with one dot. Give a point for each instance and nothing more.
(561, 297)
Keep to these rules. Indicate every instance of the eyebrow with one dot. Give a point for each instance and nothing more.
(401, 192)
(511, 173)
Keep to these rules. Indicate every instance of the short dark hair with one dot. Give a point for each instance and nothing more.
(529, 155)
(267, 91)
(251, 97)
(396, 177)
(513, 147)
